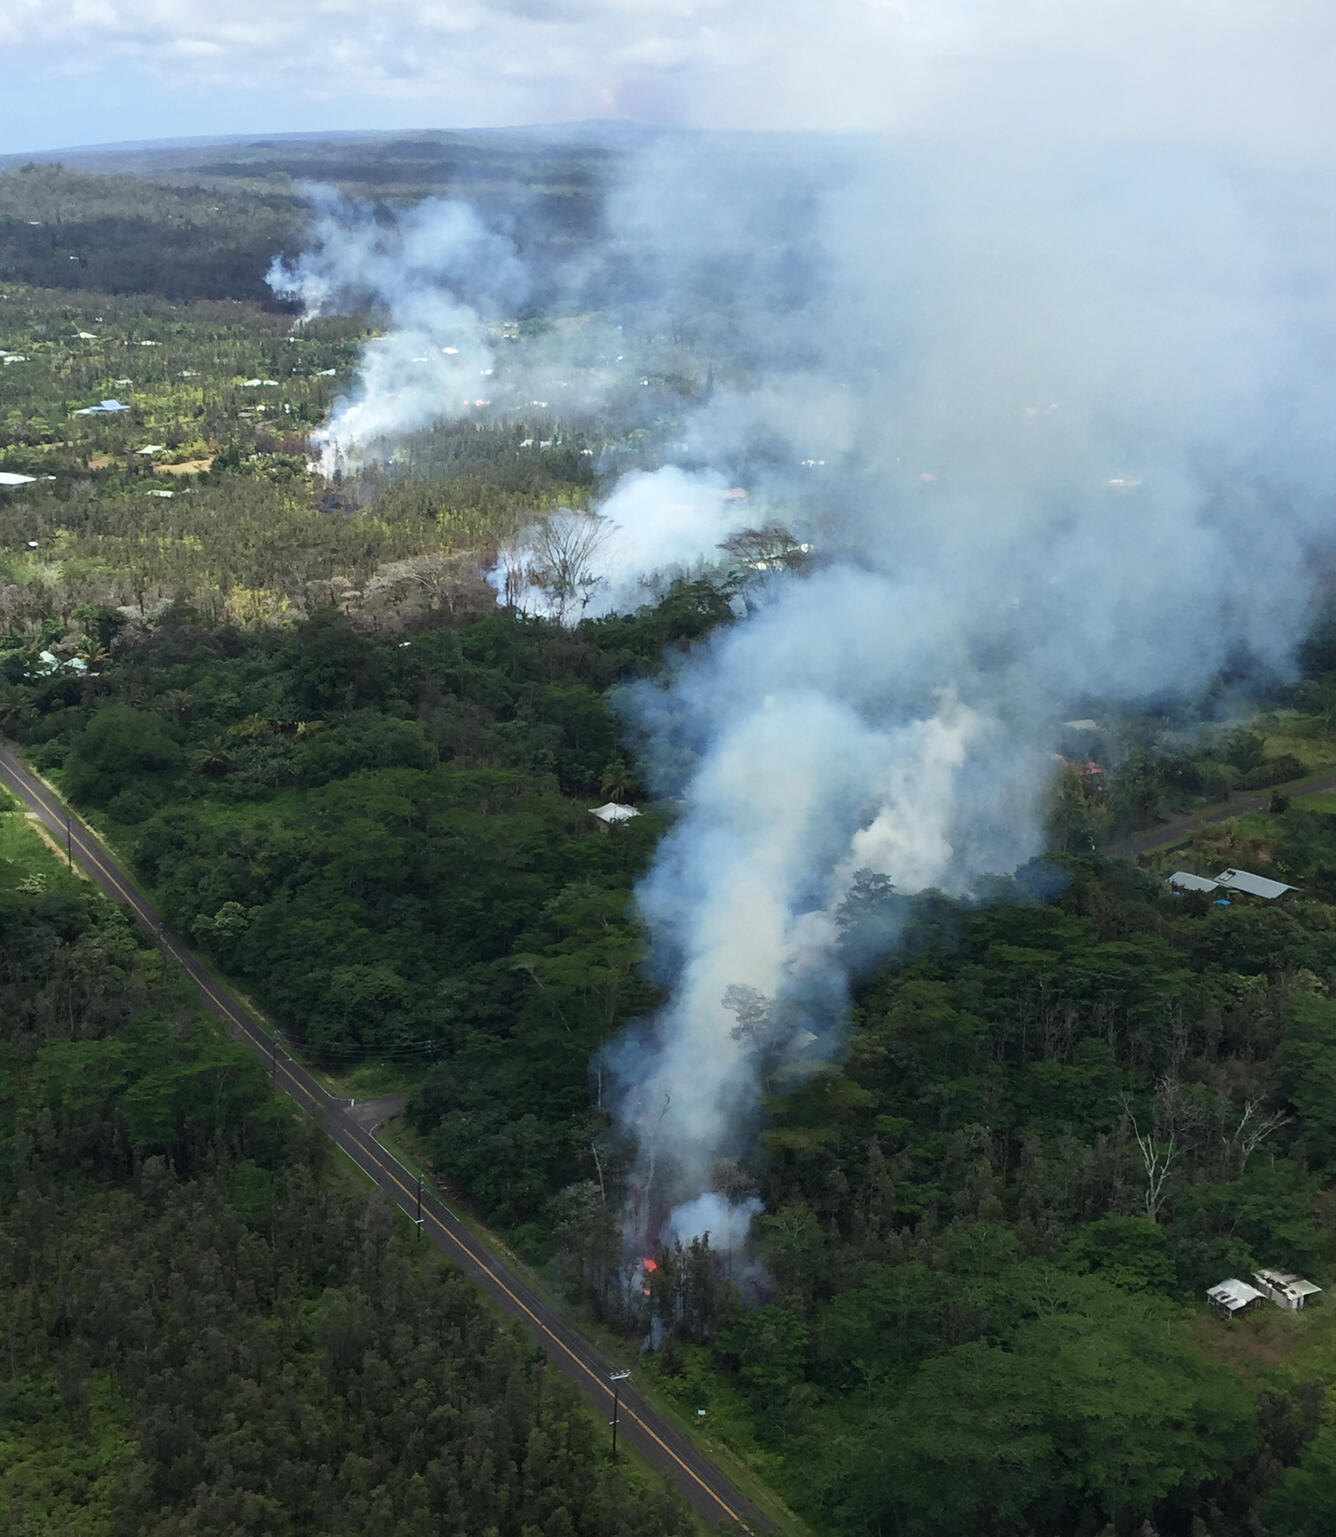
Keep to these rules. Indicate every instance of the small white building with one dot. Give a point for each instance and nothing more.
(1285, 1289)
(1233, 1297)
(612, 812)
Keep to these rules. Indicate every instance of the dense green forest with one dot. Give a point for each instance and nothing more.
(388, 842)
(975, 1302)
(205, 1329)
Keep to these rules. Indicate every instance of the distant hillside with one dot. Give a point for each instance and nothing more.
(222, 208)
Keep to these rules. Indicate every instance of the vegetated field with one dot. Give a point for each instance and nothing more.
(199, 492)
(187, 1275)
(978, 1309)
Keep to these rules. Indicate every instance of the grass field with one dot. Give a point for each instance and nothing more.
(1273, 1346)
(1291, 731)
(23, 845)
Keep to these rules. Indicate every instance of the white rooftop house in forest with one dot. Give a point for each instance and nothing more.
(612, 812)
(1254, 885)
(1234, 1296)
(1184, 880)
(1285, 1289)
(1231, 880)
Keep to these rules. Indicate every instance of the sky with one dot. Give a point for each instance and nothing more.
(106, 71)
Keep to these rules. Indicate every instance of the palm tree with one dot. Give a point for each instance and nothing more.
(618, 782)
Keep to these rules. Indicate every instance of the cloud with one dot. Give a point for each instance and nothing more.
(1229, 71)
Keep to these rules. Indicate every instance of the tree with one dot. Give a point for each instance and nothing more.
(119, 745)
(559, 558)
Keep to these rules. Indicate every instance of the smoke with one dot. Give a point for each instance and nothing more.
(653, 530)
(441, 278)
(726, 1222)
(1079, 453)
(1047, 402)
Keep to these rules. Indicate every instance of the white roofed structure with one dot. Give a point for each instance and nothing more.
(9, 478)
(1254, 885)
(1234, 1296)
(613, 812)
(1285, 1289)
(1184, 880)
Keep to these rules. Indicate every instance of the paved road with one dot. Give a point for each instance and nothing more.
(658, 1441)
(1168, 835)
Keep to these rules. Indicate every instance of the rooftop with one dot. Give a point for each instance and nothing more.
(1287, 1281)
(1254, 885)
(102, 406)
(612, 812)
(1233, 1295)
(1184, 880)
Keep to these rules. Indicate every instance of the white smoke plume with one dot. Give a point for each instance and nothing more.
(653, 530)
(1047, 391)
(441, 278)
(1085, 457)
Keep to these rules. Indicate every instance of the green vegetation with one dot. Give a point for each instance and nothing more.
(205, 1333)
(976, 1301)
(389, 845)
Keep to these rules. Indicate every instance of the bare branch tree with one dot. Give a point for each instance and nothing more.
(1253, 1129)
(1157, 1158)
(598, 1165)
(556, 556)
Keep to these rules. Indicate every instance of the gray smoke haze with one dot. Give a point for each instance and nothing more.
(1049, 399)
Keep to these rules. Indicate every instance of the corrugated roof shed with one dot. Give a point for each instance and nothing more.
(1184, 880)
(1235, 1295)
(1284, 1287)
(1254, 885)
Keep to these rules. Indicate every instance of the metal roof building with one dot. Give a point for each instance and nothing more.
(102, 408)
(612, 812)
(1285, 1289)
(1254, 885)
(1184, 880)
(1234, 1296)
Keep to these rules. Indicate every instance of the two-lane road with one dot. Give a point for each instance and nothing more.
(660, 1442)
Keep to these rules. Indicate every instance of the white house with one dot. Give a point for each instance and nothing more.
(1285, 1289)
(612, 812)
(1233, 1297)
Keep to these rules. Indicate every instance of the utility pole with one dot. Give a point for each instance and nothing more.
(616, 1378)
